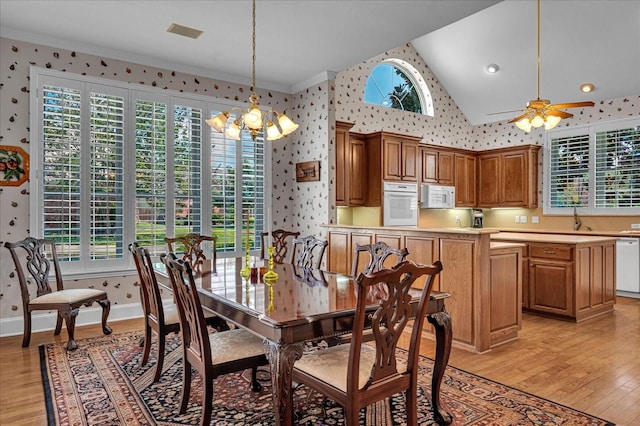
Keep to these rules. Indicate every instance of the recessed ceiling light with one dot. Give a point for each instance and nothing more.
(184, 31)
(587, 87)
(492, 68)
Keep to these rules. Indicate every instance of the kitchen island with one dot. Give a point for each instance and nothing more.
(492, 276)
(484, 282)
(570, 276)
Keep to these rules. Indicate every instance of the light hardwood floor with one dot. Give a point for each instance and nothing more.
(593, 366)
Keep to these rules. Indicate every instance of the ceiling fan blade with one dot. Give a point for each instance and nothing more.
(558, 113)
(572, 105)
(504, 112)
(518, 118)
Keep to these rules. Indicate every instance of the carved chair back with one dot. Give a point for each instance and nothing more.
(379, 252)
(40, 255)
(193, 249)
(149, 289)
(306, 249)
(281, 239)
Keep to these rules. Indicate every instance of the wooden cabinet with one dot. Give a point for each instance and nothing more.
(568, 277)
(399, 158)
(465, 180)
(508, 177)
(351, 161)
(437, 166)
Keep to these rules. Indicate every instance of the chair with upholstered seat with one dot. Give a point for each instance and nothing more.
(280, 240)
(192, 248)
(379, 252)
(306, 249)
(358, 374)
(36, 259)
(211, 355)
(157, 318)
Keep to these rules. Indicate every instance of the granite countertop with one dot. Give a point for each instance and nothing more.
(503, 245)
(634, 233)
(451, 230)
(551, 238)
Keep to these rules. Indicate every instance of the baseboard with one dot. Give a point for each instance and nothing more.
(91, 315)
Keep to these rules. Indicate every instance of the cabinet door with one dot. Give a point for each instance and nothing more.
(445, 168)
(409, 161)
(429, 166)
(392, 159)
(339, 255)
(551, 286)
(360, 239)
(465, 180)
(422, 250)
(342, 160)
(515, 179)
(357, 192)
(489, 182)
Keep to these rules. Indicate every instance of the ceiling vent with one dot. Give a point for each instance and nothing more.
(184, 31)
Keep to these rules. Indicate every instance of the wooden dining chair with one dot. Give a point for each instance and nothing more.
(306, 249)
(193, 250)
(358, 374)
(157, 318)
(33, 264)
(379, 252)
(211, 355)
(280, 239)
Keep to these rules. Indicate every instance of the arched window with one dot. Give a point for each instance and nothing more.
(397, 84)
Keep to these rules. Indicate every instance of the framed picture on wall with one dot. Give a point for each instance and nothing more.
(14, 165)
(308, 171)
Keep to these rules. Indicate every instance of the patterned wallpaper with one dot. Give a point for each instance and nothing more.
(302, 206)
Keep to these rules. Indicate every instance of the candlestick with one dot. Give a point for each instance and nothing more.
(246, 271)
(271, 276)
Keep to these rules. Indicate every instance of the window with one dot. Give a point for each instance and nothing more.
(113, 162)
(594, 168)
(397, 84)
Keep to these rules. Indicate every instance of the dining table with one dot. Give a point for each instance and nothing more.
(301, 306)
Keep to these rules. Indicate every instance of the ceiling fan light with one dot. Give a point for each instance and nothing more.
(537, 121)
(219, 121)
(286, 124)
(551, 121)
(524, 124)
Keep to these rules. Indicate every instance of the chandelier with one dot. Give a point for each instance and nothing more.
(254, 120)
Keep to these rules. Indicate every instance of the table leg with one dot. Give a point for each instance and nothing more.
(281, 359)
(442, 323)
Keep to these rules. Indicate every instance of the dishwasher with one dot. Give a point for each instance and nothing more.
(628, 265)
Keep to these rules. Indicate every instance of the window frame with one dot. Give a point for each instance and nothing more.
(85, 268)
(590, 131)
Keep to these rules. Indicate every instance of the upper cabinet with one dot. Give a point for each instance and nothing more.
(465, 180)
(437, 166)
(399, 157)
(351, 161)
(508, 177)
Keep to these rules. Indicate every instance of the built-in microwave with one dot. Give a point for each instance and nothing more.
(438, 197)
(400, 204)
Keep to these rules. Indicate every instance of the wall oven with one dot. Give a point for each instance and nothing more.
(400, 204)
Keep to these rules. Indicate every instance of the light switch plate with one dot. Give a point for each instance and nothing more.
(517, 219)
(635, 226)
(535, 219)
(523, 219)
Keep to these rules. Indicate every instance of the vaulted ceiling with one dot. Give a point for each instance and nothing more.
(298, 42)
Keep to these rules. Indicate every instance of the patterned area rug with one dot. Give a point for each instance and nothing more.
(102, 383)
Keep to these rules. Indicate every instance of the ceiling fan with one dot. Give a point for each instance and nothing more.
(541, 111)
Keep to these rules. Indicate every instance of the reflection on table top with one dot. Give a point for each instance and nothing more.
(298, 294)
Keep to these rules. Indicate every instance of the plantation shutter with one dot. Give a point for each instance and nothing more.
(253, 184)
(151, 174)
(569, 171)
(106, 171)
(61, 168)
(617, 168)
(223, 191)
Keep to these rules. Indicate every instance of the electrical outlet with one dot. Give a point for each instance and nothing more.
(458, 220)
(523, 219)
(517, 219)
(635, 226)
(535, 219)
